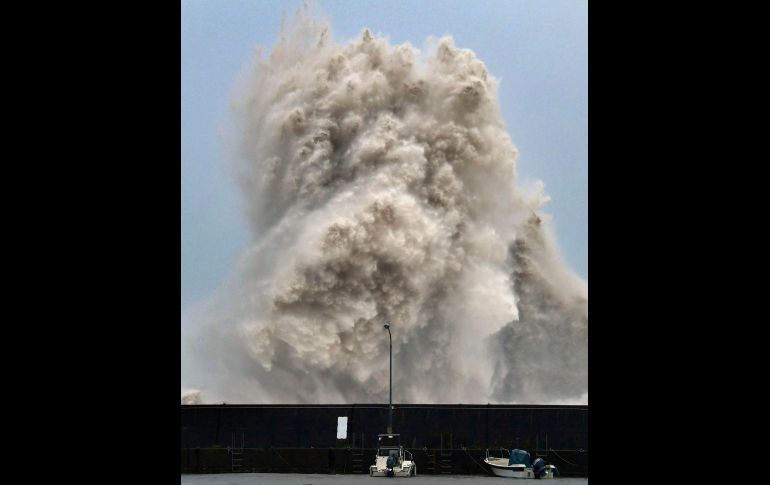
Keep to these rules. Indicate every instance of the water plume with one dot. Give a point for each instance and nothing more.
(380, 183)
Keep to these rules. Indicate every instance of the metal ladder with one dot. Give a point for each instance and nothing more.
(430, 464)
(445, 462)
(236, 452)
(357, 461)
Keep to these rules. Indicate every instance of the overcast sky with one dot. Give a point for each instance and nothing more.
(537, 48)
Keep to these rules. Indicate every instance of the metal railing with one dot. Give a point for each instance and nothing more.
(502, 455)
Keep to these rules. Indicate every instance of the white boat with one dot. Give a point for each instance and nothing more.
(392, 459)
(516, 465)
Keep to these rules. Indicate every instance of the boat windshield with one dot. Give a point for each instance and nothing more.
(387, 452)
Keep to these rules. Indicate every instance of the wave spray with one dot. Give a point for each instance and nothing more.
(380, 184)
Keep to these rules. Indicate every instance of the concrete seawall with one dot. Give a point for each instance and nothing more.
(442, 438)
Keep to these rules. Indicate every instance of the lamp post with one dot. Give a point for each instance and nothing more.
(390, 398)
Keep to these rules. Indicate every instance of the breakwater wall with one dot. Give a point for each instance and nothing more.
(443, 438)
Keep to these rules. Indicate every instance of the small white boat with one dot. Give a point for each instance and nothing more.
(392, 459)
(516, 465)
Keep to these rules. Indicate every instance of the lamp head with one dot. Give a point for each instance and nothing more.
(387, 325)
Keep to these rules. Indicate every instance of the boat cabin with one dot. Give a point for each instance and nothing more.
(392, 459)
(389, 445)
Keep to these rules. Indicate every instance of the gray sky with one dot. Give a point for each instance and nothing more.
(537, 48)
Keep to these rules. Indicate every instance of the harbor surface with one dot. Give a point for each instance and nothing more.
(319, 479)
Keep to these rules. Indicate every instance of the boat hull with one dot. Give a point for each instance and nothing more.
(514, 471)
(408, 470)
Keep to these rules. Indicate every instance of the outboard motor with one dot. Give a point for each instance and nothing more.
(538, 468)
(390, 463)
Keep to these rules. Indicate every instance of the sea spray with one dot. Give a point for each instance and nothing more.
(380, 184)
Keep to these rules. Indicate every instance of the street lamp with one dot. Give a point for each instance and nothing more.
(390, 398)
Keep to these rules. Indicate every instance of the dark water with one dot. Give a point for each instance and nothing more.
(316, 479)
